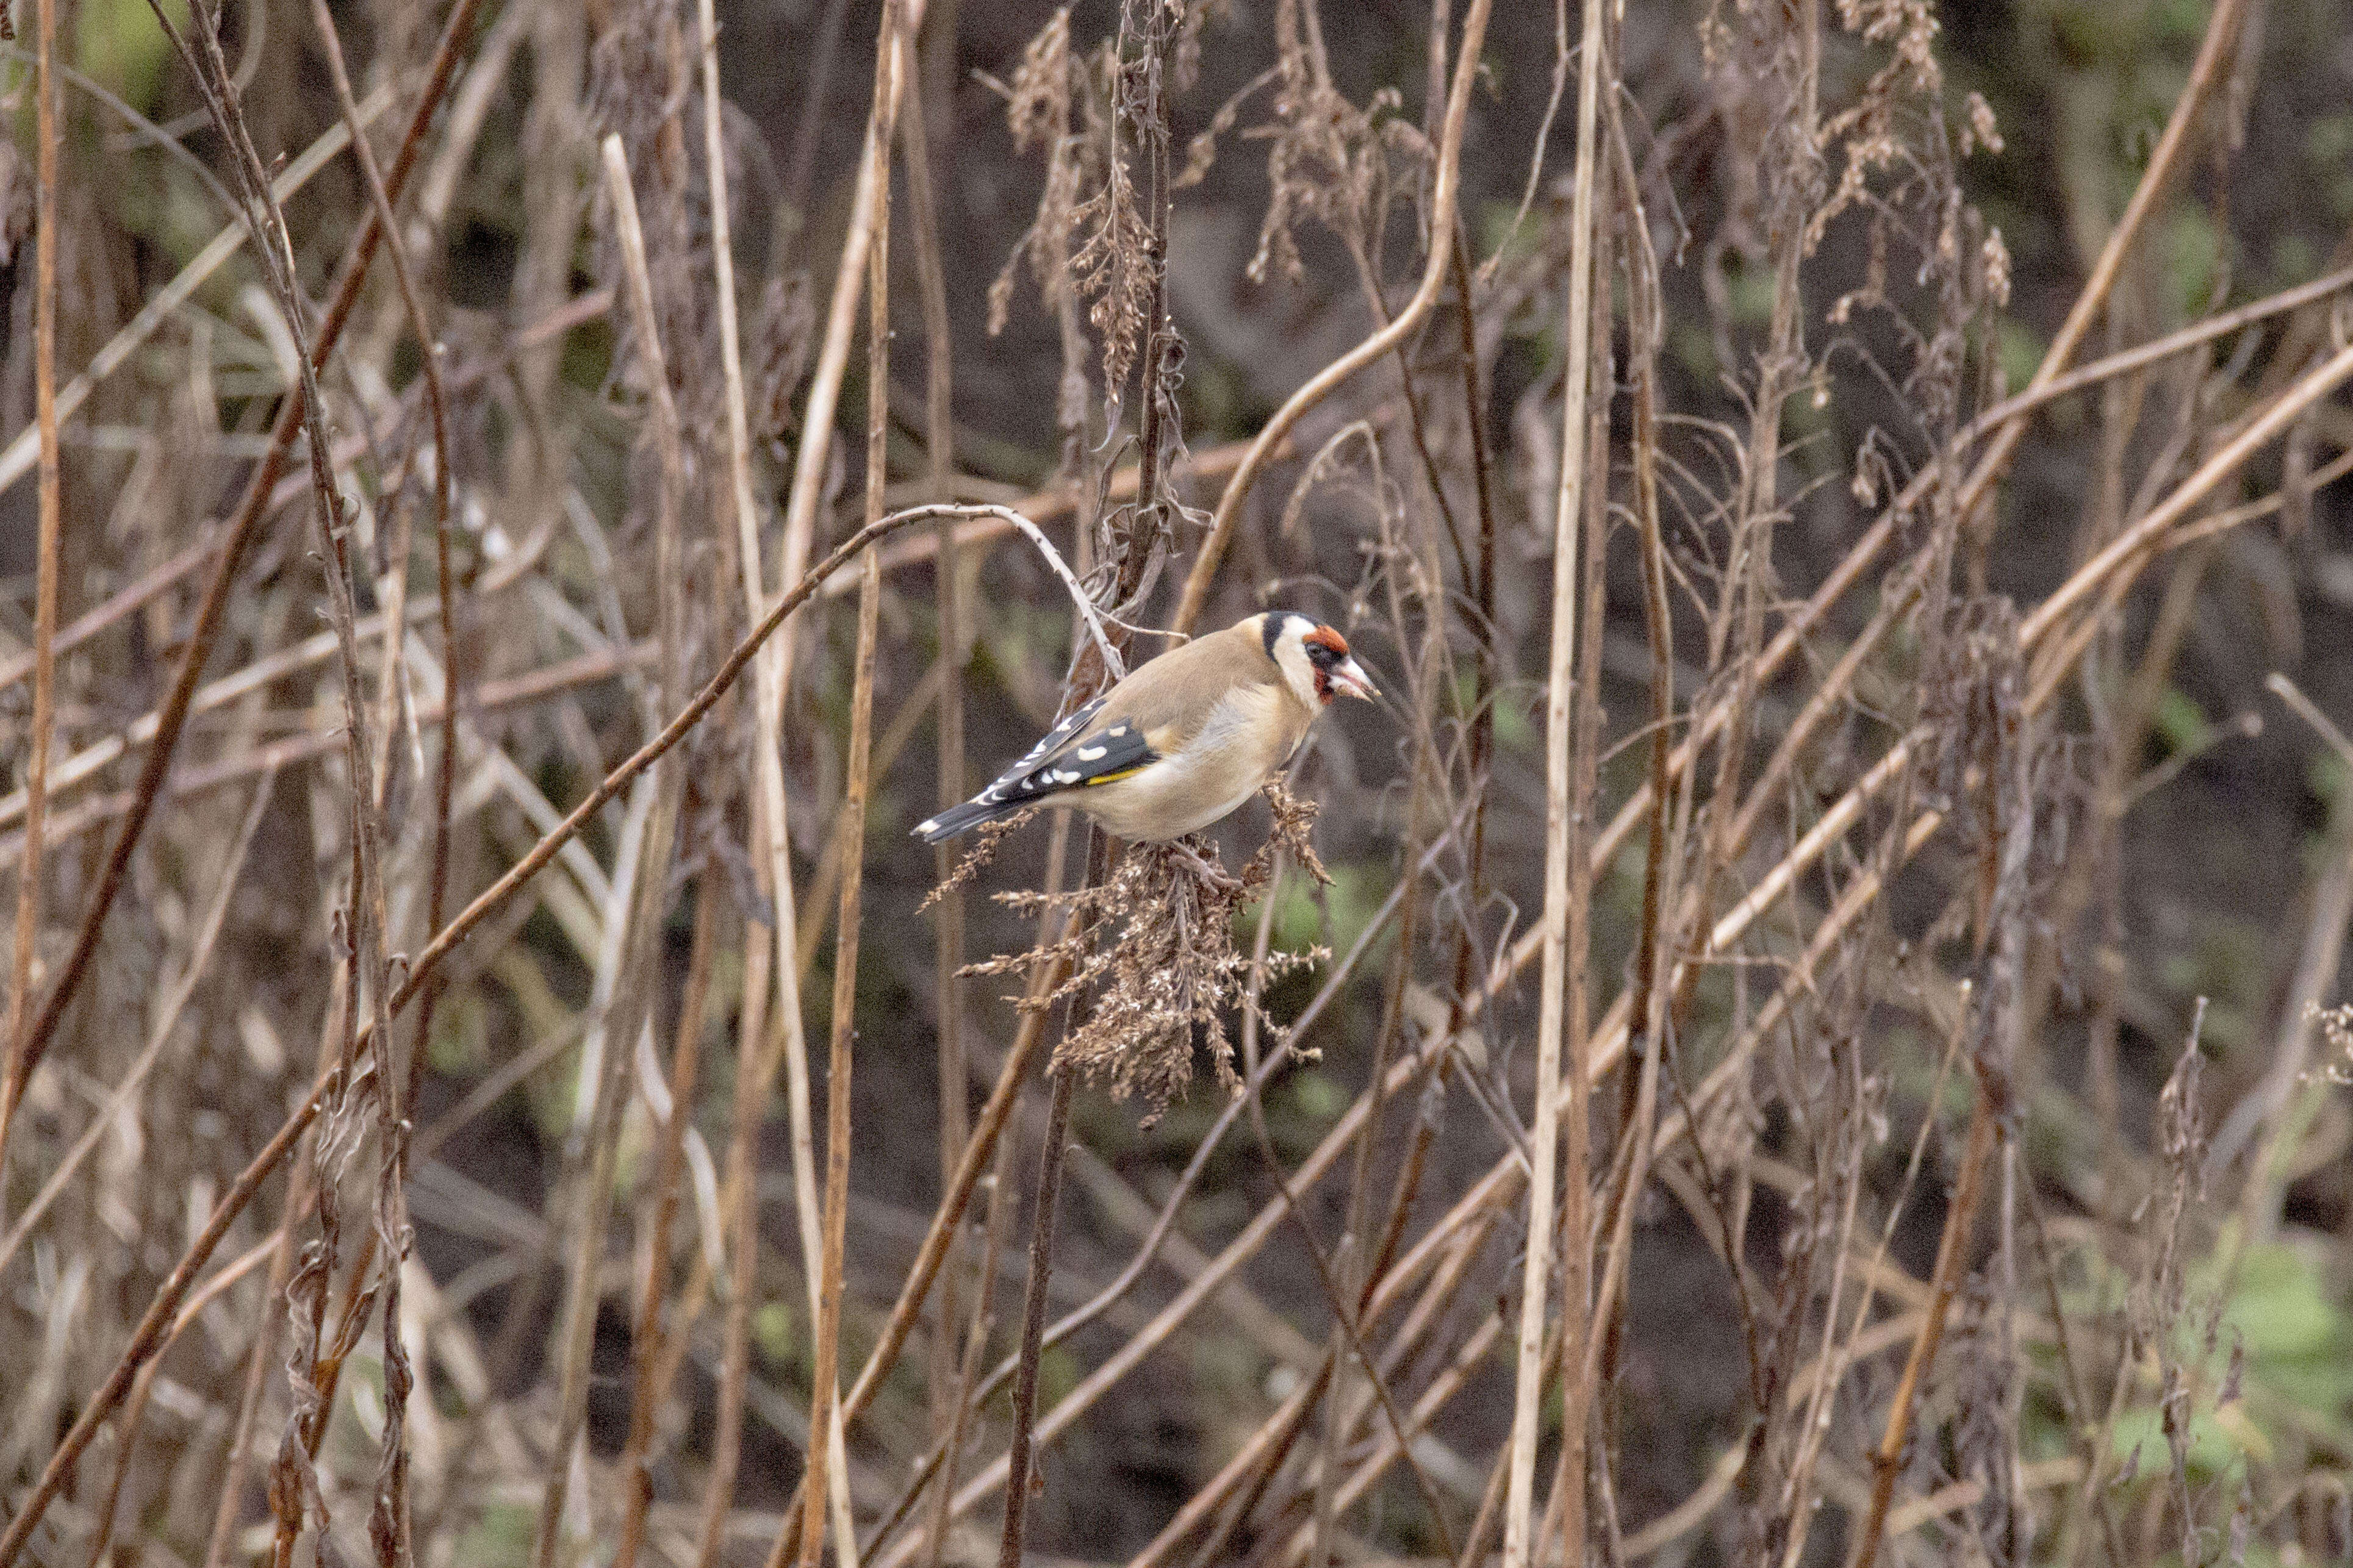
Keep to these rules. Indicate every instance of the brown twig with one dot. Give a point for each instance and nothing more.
(590, 1170)
(824, 1418)
(1033, 1315)
(2206, 74)
(938, 42)
(360, 929)
(648, 1333)
(962, 1401)
(17, 1035)
(1443, 197)
(755, 1060)
(1887, 1461)
(1568, 516)
(146, 1337)
(173, 715)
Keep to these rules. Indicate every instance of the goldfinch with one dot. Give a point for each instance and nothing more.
(1184, 738)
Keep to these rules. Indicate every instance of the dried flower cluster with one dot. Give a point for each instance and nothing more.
(1150, 955)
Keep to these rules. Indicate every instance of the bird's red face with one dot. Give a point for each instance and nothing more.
(1335, 670)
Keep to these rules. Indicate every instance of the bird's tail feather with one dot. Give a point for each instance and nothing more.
(959, 819)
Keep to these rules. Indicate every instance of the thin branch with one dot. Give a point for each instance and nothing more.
(18, 1035)
(1568, 511)
(1443, 197)
(173, 716)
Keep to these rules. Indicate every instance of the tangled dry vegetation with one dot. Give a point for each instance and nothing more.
(1724, 1102)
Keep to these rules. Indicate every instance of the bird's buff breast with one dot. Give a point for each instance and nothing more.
(1236, 752)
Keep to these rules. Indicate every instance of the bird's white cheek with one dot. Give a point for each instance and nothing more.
(1298, 673)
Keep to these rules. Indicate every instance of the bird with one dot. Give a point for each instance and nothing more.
(1183, 739)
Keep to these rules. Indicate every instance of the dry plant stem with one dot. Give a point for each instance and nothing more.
(2012, 409)
(1344, 1273)
(1483, 728)
(1611, 1042)
(17, 1036)
(395, 630)
(1394, 1444)
(262, 1358)
(1027, 1043)
(1347, 1341)
(808, 490)
(1491, 1497)
(802, 502)
(824, 1381)
(771, 851)
(1254, 1236)
(362, 936)
(144, 1338)
(1119, 485)
(825, 1386)
(1865, 550)
(1190, 1329)
(209, 697)
(444, 506)
(2206, 73)
(2111, 572)
(1440, 1292)
(1000, 1202)
(22, 454)
(135, 1406)
(2263, 1123)
(1164, 1225)
(393, 1524)
(489, 697)
(1652, 1007)
(1887, 1462)
(948, 1381)
(148, 1337)
(648, 1334)
(1261, 1458)
(1000, 1205)
(168, 1018)
(123, 602)
(173, 715)
(1569, 509)
(2074, 1390)
(1443, 199)
(1573, 1474)
(627, 1011)
(755, 1063)
(2120, 560)
(1033, 1314)
(199, 959)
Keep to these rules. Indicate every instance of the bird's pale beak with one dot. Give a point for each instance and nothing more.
(1350, 677)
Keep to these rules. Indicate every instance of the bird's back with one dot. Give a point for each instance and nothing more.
(1169, 697)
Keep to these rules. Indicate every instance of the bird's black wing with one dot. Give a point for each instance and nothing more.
(1068, 758)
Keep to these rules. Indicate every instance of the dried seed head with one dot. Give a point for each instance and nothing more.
(1152, 958)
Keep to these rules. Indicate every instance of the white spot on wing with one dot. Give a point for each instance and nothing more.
(1092, 753)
